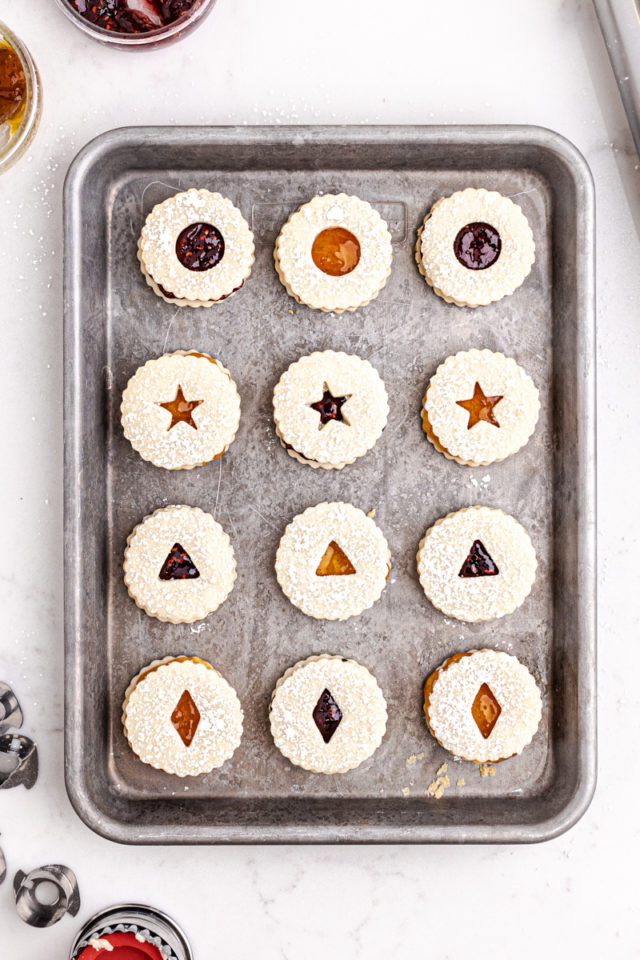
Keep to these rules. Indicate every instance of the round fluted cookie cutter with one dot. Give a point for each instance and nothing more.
(10, 710)
(37, 912)
(143, 921)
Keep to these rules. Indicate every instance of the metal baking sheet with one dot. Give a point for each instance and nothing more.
(114, 323)
(620, 24)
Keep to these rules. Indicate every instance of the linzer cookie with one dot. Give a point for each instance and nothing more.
(181, 716)
(181, 410)
(327, 714)
(479, 407)
(476, 564)
(475, 247)
(196, 249)
(333, 561)
(329, 409)
(334, 253)
(179, 564)
(482, 706)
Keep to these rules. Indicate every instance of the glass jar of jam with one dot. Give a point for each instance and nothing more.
(20, 98)
(136, 24)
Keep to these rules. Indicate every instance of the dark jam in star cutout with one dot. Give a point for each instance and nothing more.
(181, 409)
(200, 246)
(335, 562)
(336, 251)
(178, 565)
(477, 246)
(479, 562)
(186, 718)
(330, 408)
(480, 407)
(327, 715)
(485, 710)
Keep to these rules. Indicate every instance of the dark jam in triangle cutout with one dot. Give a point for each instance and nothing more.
(335, 562)
(186, 718)
(479, 562)
(178, 565)
(485, 710)
(327, 715)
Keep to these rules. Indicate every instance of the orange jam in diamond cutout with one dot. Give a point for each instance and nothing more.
(485, 710)
(335, 562)
(336, 251)
(186, 718)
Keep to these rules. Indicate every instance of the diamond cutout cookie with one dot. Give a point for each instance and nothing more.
(335, 562)
(186, 718)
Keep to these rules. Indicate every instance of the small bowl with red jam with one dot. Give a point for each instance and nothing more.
(20, 98)
(136, 24)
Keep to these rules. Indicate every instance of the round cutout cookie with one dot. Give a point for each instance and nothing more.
(196, 249)
(181, 410)
(476, 564)
(334, 253)
(475, 247)
(333, 561)
(179, 564)
(482, 706)
(329, 409)
(480, 407)
(327, 714)
(181, 716)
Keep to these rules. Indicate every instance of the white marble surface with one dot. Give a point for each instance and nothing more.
(290, 61)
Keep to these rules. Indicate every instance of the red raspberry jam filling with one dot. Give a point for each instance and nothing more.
(200, 246)
(477, 246)
(132, 16)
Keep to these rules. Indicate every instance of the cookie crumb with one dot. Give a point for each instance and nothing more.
(405, 791)
(371, 514)
(438, 786)
(460, 782)
(291, 311)
(411, 759)
(487, 770)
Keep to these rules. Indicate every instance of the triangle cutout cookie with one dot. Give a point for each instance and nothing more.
(479, 563)
(178, 565)
(335, 562)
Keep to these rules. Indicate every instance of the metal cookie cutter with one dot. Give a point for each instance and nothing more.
(10, 711)
(22, 766)
(40, 913)
(146, 924)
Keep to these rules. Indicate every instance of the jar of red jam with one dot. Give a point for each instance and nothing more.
(136, 24)
(20, 98)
